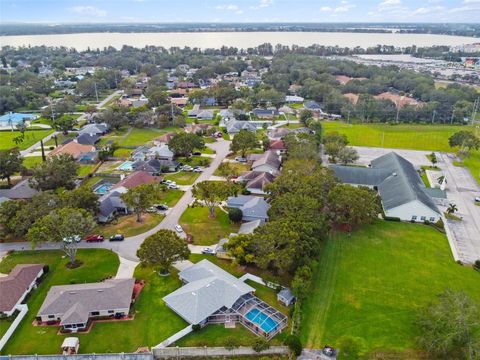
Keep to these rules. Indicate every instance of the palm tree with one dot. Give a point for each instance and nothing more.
(452, 208)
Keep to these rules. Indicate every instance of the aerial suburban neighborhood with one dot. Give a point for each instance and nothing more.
(271, 202)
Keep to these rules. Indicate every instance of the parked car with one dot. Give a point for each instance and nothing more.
(172, 186)
(117, 237)
(197, 153)
(178, 228)
(70, 239)
(240, 159)
(187, 168)
(208, 251)
(477, 199)
(161, 207)
(167, 182)
(197, 169)
(94, 238)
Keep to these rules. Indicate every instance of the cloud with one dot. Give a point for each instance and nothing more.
(262, 4)
(230, 7)
(89, 11)
(388, 3)
(344, 6)
(428, 10)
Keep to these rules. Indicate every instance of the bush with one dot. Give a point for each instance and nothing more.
(440, 224)
(235, 215)
(392, 218)
(426, 222)
(476, 265)
(196, 327)
(231, 343)
(46, 269)
(260, 344)
(245, 192)
(294, 344)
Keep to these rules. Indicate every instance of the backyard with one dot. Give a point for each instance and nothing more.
(31, 137)
(206, 230)
(371, 284)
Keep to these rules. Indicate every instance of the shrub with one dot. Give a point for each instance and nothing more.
(231, 343)
(260, 344)
(245, 192)
(294, 344)
(440, 224)
(476, 265)
(46, 269)
(196, 327)
(235, 215)
(392, 218)
(426, 222)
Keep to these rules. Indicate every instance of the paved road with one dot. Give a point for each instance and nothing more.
(128, 248)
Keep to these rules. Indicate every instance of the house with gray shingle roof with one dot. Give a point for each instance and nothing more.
(235, 126)
(74, 305)
(399, 185)
(252, 207)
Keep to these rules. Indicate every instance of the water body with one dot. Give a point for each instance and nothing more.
(236, 39)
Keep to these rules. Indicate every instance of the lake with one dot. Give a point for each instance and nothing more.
(235, 39)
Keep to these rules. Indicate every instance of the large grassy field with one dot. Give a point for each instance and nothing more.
(206, 230)
(404, 136)
(371, 285)
(31, 137)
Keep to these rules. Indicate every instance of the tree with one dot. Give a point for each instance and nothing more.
(58, 171)
(452, 208)
(433, 159)
(244, 141)
(450, 328)
(465, 140)
(141, 197)
(301, 282)
(80, 198)
(228, 171)
(260, 344)
(114, 116)
(306, 117)
(63, 123)
(64, 226)
(352, 206)
(185, 143)
(162, 249)
(235, 215)
(265, 143)
(294, 344)
(347, 155)
(8, 211)
(10, 163)
(212, 193)
(334, 143)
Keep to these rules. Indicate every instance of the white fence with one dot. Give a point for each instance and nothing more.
(23, 312)
(178, 352)
(175, 337)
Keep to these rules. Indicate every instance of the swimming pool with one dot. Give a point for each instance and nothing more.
(103, 188)
(126, 166)
(265, 322)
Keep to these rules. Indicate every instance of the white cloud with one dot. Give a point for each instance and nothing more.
(230, 7)
(387, 3)
(89, 11)
(471, 1)
(344, 6)
(326, 9)
(262, 4)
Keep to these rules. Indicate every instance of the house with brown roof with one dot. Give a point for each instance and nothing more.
(267, 162)
(256, 181)
(181, 102)
(198, 128)
(72, 148)
(137, 178)
(164, 139)
(277, 145)
(352, 97)
(15, 286)
(399, 100)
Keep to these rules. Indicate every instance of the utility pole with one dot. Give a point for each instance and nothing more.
(475, 109)
(96, 92)
(43, 151)
(433, 115)
(451, 118)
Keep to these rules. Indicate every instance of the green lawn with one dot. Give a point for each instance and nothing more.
(370, 285)
(97, 265)
(31, 161)
(170, 197)
(205, 230)
(128, 225)
(138, 137)
(415, 137)
(183, 177)
(60, 139)
(85, 169)
(240, 167)
(195, 160)
(31, 137)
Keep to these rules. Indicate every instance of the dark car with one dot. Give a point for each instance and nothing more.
(161, 207)
(196, 153)
(117, 237)
(94, 238)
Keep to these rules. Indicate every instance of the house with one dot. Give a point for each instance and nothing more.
(97, 129)
(110, 204)
(194, 111)
(399, 185)
(212, 295)
(399, 100)
(205, 115)
(256, 181)
(249, 227)
(161, 152)
(156, 166)
(74, 305)
(198, 128)
(164, 139)
(277, 145)
(269, 161)
(180, 102)
(294, 99)
(315, 108)
(278, 133)
(22, 190)
(286, 110)
(87, 139)
(265, 113)
(137, 178)
(253, 207)
(72, 148)
(286, 297)
(15, 286)
(234, 126)
(90, 157)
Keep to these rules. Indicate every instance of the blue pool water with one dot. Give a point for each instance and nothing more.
(17, 117)
(102, 189)
(265, 322)
(126, 166)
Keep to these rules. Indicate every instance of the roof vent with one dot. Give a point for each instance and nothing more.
(394, 174)
(72, 292)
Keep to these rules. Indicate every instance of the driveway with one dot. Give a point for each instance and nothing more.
(127, 249)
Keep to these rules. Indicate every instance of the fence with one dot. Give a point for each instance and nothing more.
(179, 352)
(23, 311)
(114, 356)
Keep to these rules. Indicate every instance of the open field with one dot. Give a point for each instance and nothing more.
(31, 137)
(183, 177)
(128, 225)
(403, 136)
(205, 230)
(370, 285)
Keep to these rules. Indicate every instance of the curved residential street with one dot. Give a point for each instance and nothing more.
(128, 248)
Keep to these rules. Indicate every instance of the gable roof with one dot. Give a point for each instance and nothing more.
(277, 145)
(87, 139)
(72, 148)
(209, 288)
(234, 126)
(312, 105)
(22, 190)
(94, 129)
(165, 138)
(110, 202)
(248, 227)
(251, 206)
(260, 181)
(268, 158)
(14, 285)
(137, 178)
(74, 302)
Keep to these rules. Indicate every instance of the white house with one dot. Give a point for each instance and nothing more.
(15, 286)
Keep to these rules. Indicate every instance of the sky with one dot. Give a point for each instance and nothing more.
(97, 11)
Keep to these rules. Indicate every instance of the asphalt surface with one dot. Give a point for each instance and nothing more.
(127, 249)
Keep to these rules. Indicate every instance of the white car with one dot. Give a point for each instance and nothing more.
(187, 168)
(197, 169)
(477, 199)
(70, 239)
(178, 228)
(172, 186)
(241, 159)
(168, 182)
